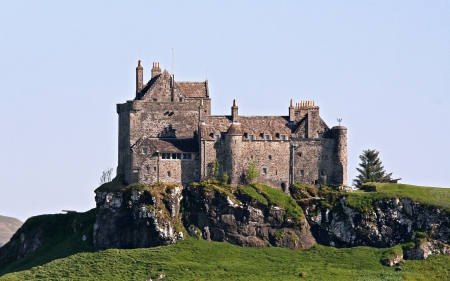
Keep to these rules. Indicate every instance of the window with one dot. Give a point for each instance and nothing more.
(302, 173)
(178, 155)
(264, 171)
(144, 150)
(267, 137)
(147, 168)
(270, 157)
(217, 137)
(168, 174)
(155, 100)
(250, 138)
(154, 168)
(320, 135)
(283, 137)
(187, 156)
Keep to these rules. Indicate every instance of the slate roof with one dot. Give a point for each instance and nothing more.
(169, 145)
(193, 89)
(258, 126)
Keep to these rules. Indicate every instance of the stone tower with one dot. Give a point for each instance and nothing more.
(339, 134)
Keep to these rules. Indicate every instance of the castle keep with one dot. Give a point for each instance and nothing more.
(167, 134)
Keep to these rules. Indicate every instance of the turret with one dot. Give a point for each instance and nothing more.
(139, 77)
(156, 70)
(234, 112)
(339, 134)
(233, 148)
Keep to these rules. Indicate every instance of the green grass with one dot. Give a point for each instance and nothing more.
(195, 259)
(428, 196)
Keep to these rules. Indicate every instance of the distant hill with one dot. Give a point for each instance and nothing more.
(8, 226)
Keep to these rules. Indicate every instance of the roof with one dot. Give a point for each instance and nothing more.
(235, 129)
(257, 126)
(170, 145)
(194, 89)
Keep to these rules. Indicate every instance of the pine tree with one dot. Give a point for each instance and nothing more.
(371, 168)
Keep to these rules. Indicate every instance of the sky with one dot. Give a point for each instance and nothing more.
(381, 66)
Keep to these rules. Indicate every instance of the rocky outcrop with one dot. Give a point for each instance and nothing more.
(422, 250)
(389, 223)
(240, 219)
(138, 217)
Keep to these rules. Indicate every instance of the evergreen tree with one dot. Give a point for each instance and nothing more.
(371, 168)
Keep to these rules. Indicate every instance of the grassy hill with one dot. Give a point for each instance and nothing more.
(64, 256)
(8, 226)
(194, 259)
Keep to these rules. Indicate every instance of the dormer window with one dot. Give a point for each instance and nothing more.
(251, 138)
(283, 137)
(267, 137)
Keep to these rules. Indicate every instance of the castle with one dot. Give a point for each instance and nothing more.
(167, 134)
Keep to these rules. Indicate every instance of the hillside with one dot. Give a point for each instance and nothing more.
(195, 259)
(384, 216)
(8, 226)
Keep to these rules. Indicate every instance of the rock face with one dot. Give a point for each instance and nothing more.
(422, 250)
(241, 220)
(389, 223)
(29, 240)
(138, 218)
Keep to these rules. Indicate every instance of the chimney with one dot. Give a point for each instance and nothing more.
(156, 70)
(139, 77)
(234, 112)
(291, 113)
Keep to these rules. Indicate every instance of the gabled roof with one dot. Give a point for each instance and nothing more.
(182, 89)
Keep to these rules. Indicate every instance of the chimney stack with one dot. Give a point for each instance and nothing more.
(156, 70)
(234, 112)
(139, 77)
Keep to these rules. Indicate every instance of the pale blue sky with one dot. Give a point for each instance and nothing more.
(382, 66)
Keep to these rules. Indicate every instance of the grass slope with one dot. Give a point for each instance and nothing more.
(194, 259)
(8, 226)
(429, 196)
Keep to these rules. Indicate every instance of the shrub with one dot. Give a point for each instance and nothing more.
(252, 173)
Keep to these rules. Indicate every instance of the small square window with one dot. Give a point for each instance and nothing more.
(302, 173)
(163, 155)
(155, 100)
(264, 171)
(250, 138)
(267, 137)
(174, 156)
(168, 174)
(144, 150)
(147, 168)
(154, 168)
(270, 157)
(283, 137)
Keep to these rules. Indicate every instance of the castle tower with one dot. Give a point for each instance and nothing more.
(139, 77)
(156, 70)
(339, 134)
(234, 112)
(233, 150)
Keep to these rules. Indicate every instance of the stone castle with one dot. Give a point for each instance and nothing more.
(168, 134)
